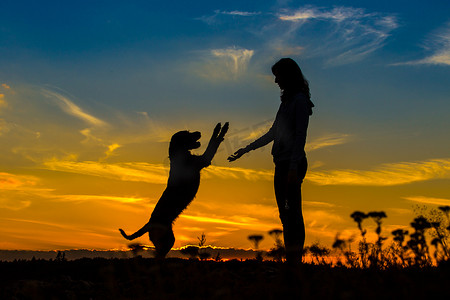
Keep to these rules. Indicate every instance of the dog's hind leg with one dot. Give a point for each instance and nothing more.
(162, 238)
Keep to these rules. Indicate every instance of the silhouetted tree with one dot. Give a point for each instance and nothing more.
(191, 251)
(136, 248)
(278, 252)
(256, 238)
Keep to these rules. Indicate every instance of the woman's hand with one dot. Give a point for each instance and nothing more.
(237, 154)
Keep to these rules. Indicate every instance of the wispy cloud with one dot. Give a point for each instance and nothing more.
(220, 220)
(318, 204)
(347, 34)
(71, 108)
(237, 221)
(132, 171)
(386, 175)
(428, 200)
(111, 149)
(17, 191)
(83, 198)
(338, 13)
(238, 13)
(216, 17)
(10, 181)
(145, 172)
(439, 46)
(339, 35)
(322, 219)
(328, 141)
(238, 173)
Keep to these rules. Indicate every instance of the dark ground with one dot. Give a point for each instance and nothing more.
(143, 278)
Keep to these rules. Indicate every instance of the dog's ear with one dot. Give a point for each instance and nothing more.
(178, 142)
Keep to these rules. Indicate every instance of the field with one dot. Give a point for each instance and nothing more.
(144, 278)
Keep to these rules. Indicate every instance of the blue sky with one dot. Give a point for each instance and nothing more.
(87, 87)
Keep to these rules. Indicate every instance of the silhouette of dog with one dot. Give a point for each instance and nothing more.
(182, 186)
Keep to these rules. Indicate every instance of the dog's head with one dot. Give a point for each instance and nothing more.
(183, 141)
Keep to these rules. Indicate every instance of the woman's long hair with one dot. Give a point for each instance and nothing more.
(296, 82)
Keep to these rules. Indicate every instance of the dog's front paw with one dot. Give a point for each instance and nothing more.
(217, 129)
(224, 130)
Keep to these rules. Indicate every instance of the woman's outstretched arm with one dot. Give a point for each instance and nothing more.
(262, 141)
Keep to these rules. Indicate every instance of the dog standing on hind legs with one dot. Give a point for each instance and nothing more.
(182, 186)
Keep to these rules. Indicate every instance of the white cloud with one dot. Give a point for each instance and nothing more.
(235, 58)
(224, 64)
(386, 175)
(439, 45)
(339, 35)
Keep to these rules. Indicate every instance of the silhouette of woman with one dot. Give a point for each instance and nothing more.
(288, 134)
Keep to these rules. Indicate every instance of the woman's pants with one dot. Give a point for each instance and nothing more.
(289, 200)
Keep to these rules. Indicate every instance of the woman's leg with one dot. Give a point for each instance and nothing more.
(289, 200)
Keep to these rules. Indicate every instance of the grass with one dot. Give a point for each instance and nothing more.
(144, 278)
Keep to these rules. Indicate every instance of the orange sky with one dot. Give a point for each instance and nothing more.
(73, 184)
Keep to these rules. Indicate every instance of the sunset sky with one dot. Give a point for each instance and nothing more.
(91, 92)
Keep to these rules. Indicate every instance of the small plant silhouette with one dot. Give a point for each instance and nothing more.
(203, 254)
(218, 257)
(417, 242)
(441, 234)
(197, 252)
(403, 252)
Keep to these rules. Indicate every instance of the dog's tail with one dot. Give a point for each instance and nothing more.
(137, 234)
